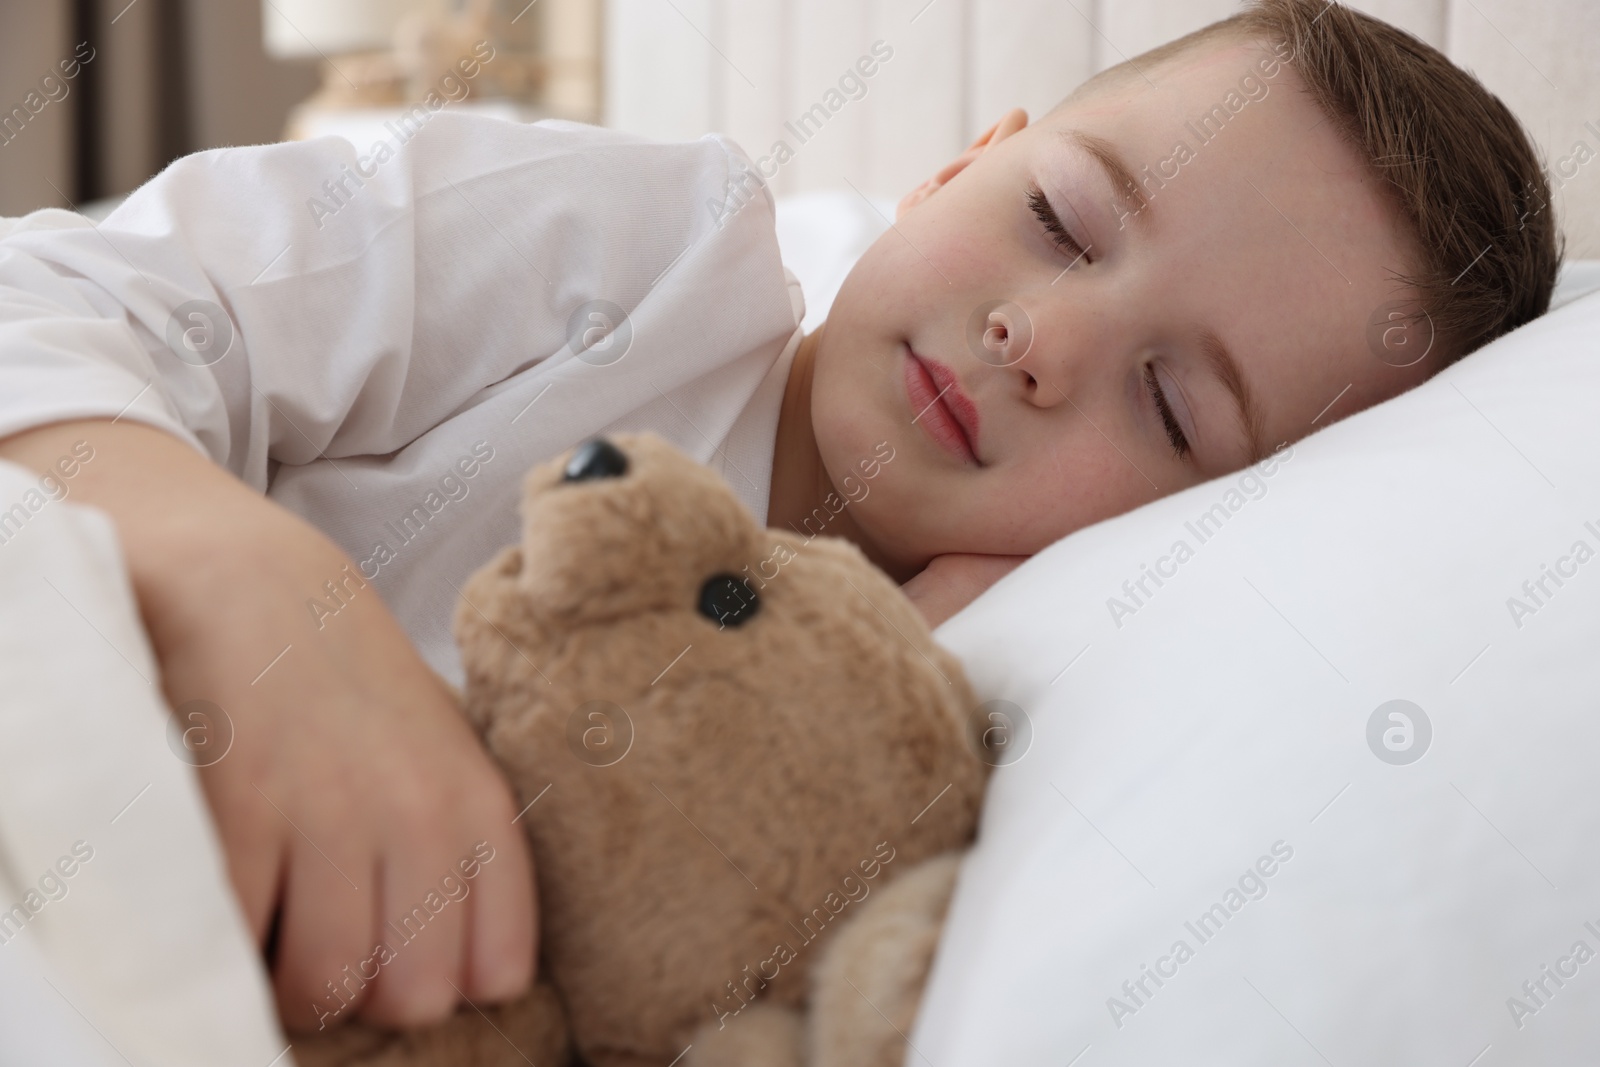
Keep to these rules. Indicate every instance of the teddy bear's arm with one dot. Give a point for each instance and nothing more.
(763, 1035)
(868, 984)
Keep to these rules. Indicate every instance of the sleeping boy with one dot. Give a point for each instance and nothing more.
(311, 427)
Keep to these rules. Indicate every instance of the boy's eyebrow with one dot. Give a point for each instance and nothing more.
(1117, 173)
(1226, 369)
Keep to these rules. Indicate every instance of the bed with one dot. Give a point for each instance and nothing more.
(1369, 581)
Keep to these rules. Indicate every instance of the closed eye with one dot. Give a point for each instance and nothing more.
(1052, 225)
(1175, 435)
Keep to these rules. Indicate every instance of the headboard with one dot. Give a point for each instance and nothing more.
(680, 68)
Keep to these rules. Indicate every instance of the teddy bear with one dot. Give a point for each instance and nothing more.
(751, 774)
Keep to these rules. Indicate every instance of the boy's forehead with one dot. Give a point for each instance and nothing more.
(1179, 88)
(1225, 56)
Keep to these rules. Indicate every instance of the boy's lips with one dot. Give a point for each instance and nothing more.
(937, 402)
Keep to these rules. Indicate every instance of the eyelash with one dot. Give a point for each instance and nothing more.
(1040, 204)
(1180, 443)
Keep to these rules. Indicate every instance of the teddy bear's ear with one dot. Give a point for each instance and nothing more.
(629, 523)
(594, 459)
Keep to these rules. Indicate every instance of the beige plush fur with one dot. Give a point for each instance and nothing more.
(746, 793)
(869, 983)
(765, 1035)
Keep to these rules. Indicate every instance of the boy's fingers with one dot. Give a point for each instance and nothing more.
(255, 843)
(255, 876)
(502, 931)
(423, 927)
(322, 972)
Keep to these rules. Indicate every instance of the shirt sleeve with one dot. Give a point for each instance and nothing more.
(279, 304)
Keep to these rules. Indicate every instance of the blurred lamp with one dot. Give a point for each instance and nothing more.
(305, 29)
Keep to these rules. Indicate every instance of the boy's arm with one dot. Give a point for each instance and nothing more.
(952, 581)
(353, 785)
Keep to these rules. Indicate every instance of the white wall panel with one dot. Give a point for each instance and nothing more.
(753, 110)
(1128, 27)
(828, 37)
(659, 67)
(1541, 60)
(916, 110)
(1027, 54)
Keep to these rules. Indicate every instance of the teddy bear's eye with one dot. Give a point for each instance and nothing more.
(727, 601)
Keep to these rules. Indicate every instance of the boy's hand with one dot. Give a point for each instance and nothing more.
(353, 786)
(952, 581)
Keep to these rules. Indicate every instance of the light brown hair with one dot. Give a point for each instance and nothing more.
(1459, 166)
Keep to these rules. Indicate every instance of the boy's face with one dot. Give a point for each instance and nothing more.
(1269, 239)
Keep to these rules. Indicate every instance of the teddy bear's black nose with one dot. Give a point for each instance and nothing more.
(727, 601)
(595, 458)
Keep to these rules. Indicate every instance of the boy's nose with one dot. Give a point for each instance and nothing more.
(595, 458)
(1000, 333)
(1059, 352)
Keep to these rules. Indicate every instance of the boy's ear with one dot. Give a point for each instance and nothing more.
(1010, 123)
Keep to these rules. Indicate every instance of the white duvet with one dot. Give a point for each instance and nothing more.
(120, 941)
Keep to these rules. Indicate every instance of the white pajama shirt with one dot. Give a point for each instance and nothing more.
(412, 328)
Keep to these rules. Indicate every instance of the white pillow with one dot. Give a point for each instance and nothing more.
(821, 235)
(1238, 714)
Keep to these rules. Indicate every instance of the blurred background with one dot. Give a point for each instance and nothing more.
(98, 95)
(867, 97)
